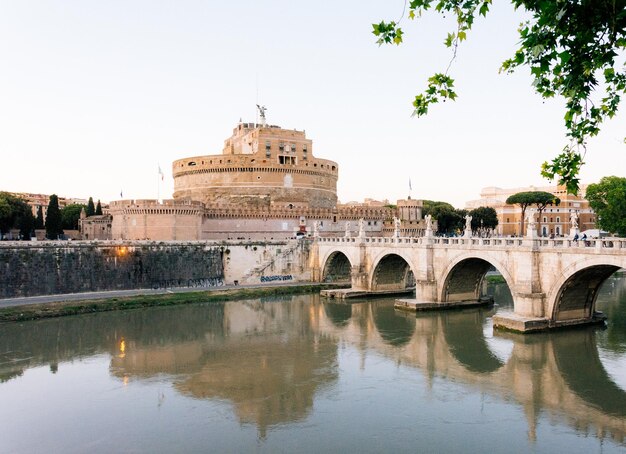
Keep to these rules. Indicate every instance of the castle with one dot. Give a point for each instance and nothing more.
(266, 184)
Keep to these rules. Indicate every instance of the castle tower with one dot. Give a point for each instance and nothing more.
(261, 166)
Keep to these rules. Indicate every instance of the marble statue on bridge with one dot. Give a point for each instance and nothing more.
(468, 226)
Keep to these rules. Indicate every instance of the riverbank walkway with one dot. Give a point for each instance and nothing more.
(104, 295)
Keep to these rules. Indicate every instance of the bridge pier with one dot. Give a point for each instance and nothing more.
(554, 282)
(426, 299)
(511, 321)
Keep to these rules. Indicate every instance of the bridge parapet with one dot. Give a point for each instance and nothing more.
(554, 282)
(603, 244)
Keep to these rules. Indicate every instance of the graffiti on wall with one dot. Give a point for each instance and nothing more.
(284, 277)
(189, 283)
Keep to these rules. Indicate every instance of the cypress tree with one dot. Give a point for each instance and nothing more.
(39, 219)
(91, 209)
(98, 209)
(53, 219)
(26, 222)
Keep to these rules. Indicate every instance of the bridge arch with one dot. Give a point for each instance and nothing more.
(573, 294)
(391, 271)
(462, 278)
(337, 267)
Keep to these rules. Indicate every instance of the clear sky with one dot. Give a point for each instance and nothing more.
(94, 95)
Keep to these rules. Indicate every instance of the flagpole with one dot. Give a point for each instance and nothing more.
(158, 183)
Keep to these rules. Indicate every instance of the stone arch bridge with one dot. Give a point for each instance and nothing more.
(554, 282)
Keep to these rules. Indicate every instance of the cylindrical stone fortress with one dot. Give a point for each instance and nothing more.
(260, 166)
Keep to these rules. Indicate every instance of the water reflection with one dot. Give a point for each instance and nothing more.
(463, 331)
(273, 359)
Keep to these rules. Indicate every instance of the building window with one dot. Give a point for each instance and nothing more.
(281, 146)
(293, 148)
(287, 160)
(545, 219)
(558, 219)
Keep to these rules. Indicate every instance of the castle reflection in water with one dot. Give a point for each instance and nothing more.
(270, 358)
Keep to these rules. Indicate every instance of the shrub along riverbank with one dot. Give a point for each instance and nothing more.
(64, 308)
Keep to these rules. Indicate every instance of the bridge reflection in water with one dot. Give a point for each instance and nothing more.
(271, 360)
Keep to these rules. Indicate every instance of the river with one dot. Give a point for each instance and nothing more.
(302, 374)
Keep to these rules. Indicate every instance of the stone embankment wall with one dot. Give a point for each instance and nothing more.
(72, 267)
(48, 268)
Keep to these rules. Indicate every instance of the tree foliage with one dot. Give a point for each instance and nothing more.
(449, 220)
(429, 205)
(608, 200)
(15, 213)
(39, 220)
(540, 199)
(91, 209)
(484, 217)
(54, 222)
(70, 214)
(98, 209)
(572, 48)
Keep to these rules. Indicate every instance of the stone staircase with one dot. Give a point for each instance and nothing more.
(292, 257)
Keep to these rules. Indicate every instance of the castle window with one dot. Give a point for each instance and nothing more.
(288, 160)
(333, 168)
(191, 163)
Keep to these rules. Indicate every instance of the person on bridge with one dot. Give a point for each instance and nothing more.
(576, 237)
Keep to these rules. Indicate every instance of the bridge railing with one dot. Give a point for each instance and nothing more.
(489, 242)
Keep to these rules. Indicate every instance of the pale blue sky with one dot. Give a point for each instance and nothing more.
(94, 94)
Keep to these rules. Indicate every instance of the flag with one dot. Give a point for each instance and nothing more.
(161, 172)
(410, 188)
(121, 195)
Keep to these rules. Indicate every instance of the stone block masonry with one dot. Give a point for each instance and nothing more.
(30, 269)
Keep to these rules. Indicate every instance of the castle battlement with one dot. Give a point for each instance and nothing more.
(259, 166)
